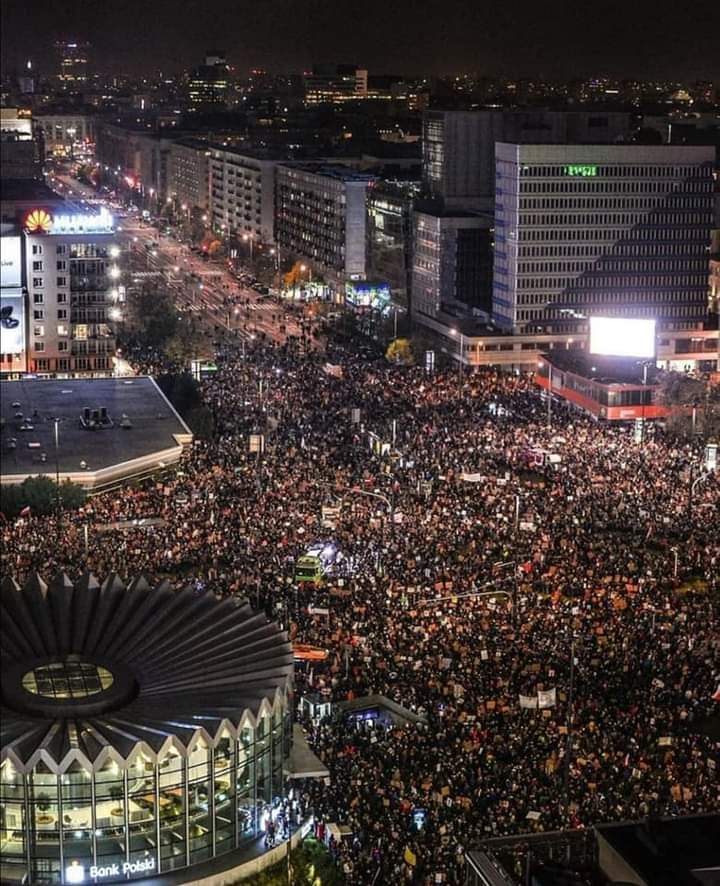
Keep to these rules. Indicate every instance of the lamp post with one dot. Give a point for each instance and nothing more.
(248, 238)
(549, 393)
(642, 408)
(57, 482)
(275, 252)
(461, 374)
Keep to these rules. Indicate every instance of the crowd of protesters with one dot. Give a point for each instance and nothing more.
(486, 555)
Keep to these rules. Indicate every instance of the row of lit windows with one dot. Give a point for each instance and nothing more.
(592, 186)
(609, 235)
(553, 250)
(617, 281)
(619, 171)
(678, 310)
(583, 297)
(578, 204)
(620, 267)
(669, 217)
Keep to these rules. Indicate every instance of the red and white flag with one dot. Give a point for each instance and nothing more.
(716, 695)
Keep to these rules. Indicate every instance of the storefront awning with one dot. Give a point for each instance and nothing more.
(303, 763)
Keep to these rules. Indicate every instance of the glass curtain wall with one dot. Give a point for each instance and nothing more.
(180, 811)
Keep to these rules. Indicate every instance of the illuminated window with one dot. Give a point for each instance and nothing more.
(67, 679)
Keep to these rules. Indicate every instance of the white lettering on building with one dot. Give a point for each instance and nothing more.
(98, 872)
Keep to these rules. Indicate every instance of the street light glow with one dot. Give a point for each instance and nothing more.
(114, 272)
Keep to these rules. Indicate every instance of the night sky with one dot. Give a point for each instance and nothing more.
(555, 38)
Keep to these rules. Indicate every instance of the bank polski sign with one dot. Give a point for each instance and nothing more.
(75, 872)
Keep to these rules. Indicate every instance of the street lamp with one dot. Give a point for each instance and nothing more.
(549, 393)
(456, 332)
(247, 238)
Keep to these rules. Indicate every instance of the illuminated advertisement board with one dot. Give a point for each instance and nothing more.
(39, 221)
(12, 322)
(621, 337)
(364, 294)
(581, 170)
(10, 262)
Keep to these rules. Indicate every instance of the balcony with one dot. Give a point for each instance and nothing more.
(95, 283)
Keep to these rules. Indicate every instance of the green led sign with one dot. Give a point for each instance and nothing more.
(581, 171)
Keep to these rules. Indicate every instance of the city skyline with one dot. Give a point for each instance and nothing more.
(518, 39)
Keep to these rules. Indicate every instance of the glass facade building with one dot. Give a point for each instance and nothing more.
(149, 814)
(151, 735)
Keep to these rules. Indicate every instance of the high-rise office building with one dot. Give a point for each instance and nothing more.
(71, 65)
(619, 230)
(459, 146)
(335, 84)
(209, 84)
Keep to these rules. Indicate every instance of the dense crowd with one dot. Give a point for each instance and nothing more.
(488, 555)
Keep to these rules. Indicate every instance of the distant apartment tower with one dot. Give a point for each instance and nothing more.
(618, 230)
(335, 84)
(321, 215)
(242, 189)
(209, 84)
(20, 149)
(67, 135)
(71, 65)
(188, 173)
(459, 146)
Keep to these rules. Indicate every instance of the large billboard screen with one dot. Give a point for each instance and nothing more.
(10, 262)
(620, 337)
(364, 294)
(12, 322)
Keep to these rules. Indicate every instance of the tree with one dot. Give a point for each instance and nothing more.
(686, 395)
(155, 317)
(400, 351)
(40, 494)
(186, 344)
(295, 275)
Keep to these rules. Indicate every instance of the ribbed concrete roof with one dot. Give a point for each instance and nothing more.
(184, 665)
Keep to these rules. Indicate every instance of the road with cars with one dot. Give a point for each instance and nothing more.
(199, 284)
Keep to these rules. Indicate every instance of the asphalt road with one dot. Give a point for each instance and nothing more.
(205, 287)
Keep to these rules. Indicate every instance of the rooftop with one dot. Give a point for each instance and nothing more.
(670, 851)
(157, 432)
(27, 189)
(608, 370)
(336, 171)
(136, 664)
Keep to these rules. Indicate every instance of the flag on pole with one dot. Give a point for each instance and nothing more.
(528, 701)
(547, 698)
